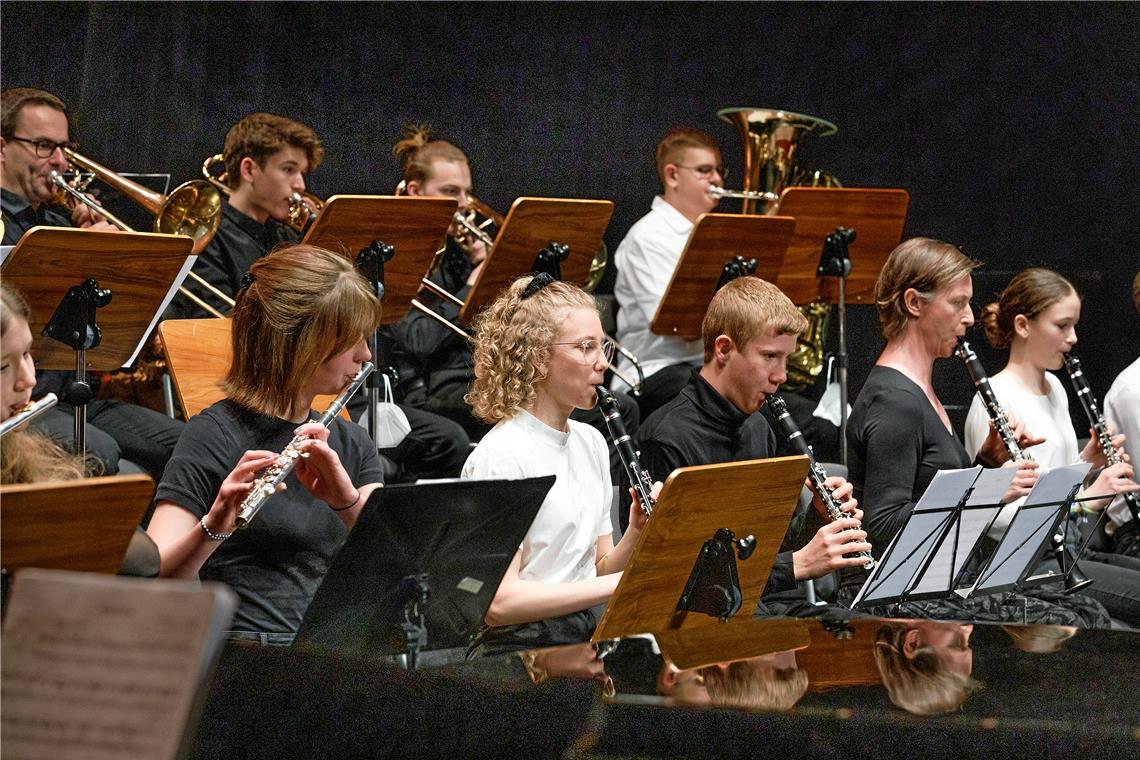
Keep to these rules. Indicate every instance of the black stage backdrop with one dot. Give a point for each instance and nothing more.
(1013, 127)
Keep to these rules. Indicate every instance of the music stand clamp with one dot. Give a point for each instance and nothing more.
(417, 592)
(74, 324)
(835, 261)
(713, 587)
(734, 268)
(549, 260)
(370, 263)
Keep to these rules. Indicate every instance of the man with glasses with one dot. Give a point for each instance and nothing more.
(33, 133)
(34, 130)
(688, 163)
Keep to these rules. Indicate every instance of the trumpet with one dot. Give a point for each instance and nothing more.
(27, 414)
(752, 195)
(303, 207)
(266, 485)
(469, 227)
(193, 209)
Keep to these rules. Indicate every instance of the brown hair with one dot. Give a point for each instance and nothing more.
(13, 101)
(512, 335)
(416, 152)
(676, 140)
(747, 307)
(260, 135)
(302, 306)
(27, 456)
(742, 685)
(1136, 291)
(925, 264)
(921, 684)
(1031, 292)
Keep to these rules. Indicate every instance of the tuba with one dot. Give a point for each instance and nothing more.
(771, 138)
(303, 207)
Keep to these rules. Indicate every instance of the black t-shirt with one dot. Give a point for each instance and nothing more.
(699, 427)
(896, 443)
(276, 564)
(19, 216)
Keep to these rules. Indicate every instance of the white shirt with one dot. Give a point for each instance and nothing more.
(1122, 411)
(562, 543)
(645, 262)
(1044, 416)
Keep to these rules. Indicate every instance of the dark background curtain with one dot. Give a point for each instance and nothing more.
(1013, 126)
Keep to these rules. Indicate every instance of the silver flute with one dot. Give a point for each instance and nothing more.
(266, 485)
(815, 470)
(28, 413)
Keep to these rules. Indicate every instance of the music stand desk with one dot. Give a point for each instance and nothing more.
(82, 525)
(414, 226)
(756, 497)
(461, 534)
(141, 269)
(531, 225)
(715, 240)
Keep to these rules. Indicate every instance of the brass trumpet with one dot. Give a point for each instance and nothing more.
(303, 207)
(193, 209)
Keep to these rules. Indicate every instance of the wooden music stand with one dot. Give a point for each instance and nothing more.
(715, 240)
(414, 226)
(198, 353)
(876, 214)
(757, 497)
(141, 269)
(740, 638)
(82, 525)
(532, 224)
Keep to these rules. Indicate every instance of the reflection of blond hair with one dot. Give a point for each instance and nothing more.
(1040, 639)
(921, 684)
(743, 685)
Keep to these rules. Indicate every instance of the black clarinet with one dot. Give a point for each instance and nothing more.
(1074, 578)
(1099, 426)
(638, 477)
(815, 470)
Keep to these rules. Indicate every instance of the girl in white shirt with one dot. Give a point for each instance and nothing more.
(539, 354)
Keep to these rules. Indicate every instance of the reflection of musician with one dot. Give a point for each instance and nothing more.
(749, 331)
(900, 435)
(926, 666)
(27, 456)
(579, 661)
(266, 158)
(1122, 410)
(35, 130)
(539, 354)
(688, 162)
(767, 682)
(299, 330)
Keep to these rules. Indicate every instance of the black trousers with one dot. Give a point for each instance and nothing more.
(435, 447)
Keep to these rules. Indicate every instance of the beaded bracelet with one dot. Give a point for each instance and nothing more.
(211, 534)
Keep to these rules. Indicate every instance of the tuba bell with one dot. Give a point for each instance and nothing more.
(770, 138)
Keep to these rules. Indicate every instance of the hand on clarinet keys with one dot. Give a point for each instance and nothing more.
(833, 546)
(1023, 481)
(637, 516)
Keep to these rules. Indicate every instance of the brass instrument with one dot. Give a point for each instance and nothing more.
(27, 414)
(266, 485)
(193, 209)
(303, 207)
(815, 471)
(771, 137)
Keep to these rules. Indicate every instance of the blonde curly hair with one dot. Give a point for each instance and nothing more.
(513, 335)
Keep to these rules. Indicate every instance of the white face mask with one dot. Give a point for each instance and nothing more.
(393, 423)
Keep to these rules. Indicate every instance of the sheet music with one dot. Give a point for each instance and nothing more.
(4, 251)
(104, 667)
(182, 273)
(1030, 527)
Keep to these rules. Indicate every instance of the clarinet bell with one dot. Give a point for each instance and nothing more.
(1075, 580)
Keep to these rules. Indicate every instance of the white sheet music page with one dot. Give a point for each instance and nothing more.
(104, 667)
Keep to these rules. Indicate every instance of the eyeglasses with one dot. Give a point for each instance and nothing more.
(705, 171)
(45, 148)
(591, 350)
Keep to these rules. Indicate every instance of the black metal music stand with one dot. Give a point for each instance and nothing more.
(421, 566)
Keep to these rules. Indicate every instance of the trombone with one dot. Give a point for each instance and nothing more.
(303, 207)
(193, 209)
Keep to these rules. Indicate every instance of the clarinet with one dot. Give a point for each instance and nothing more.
(28, 413)
(1096, 420)
(266, 485)
(1074, 579)
(638, 477)
(815, 470)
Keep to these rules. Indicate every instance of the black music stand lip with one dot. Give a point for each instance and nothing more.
(462, 534)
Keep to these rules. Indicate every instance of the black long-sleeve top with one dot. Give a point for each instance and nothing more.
(896, 443)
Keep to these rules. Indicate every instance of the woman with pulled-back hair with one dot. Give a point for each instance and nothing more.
(539, 355)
